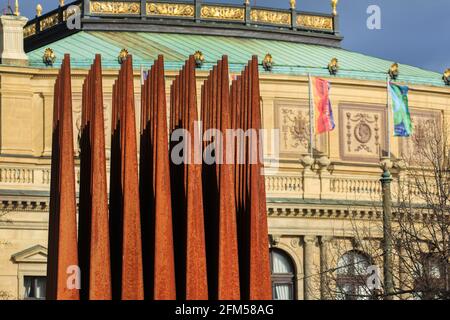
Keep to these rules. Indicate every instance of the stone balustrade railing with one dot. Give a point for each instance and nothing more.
(286, 185)
(345, 185)
(28, 178)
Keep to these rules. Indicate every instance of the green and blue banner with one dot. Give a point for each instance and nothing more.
(402, 117)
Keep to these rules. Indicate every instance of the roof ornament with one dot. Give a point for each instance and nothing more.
(333, 66)
(199, 59)
(334, 4)
(394, 71)
(293, 4)
(38, 10)
(268, 62)
(49, 57)
(123, 54)
(16, 8)
(61, 3)
(446, 77)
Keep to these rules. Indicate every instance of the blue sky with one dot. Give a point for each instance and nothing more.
(413, 32)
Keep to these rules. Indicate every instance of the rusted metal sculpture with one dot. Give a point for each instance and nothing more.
(62, 242)
(155, 187)
(93, 234)
(192, 230)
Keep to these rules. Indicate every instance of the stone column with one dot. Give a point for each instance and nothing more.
(11, 40)
(324, 268)
(309, 245)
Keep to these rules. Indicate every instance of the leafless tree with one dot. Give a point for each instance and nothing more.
(421, 196)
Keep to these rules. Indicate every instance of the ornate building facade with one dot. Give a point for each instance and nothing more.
(324, 208)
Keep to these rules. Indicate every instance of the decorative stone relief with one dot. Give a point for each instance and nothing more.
(295, 243)
(424, 129)
(292, 119)
(362, 133)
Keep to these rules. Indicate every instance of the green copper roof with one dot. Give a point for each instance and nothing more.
(290, 58)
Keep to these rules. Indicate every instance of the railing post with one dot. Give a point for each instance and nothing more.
(38, 25)
(336, 24)
(143, 9)
(248, 10)
(60, 14)
(294, 18)
(86, 8)
(198, 10)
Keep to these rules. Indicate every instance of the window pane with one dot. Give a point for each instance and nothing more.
(344, 264)
(281, 264)
(283, 291)
(27, 285)
(40, 288)
(35, 287)
(361, 265)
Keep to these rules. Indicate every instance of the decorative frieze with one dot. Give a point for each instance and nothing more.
(70, 11)
(29, 30)
(49, 21)
(114, 7)
(223, 13)
(315, 22)
(271, 17)
(171, 10)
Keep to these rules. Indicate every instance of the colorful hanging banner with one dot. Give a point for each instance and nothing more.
(324, 120)
(402, 118)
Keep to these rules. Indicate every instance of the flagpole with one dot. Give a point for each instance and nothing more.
(388, 116)
(386, 180)
(311, 117)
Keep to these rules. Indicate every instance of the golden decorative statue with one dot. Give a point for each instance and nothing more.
(268, 62)
(446, 77)
(333, 66)
(334, 4)
(38, 10)
(293, 4)
(199, 59)
(49, 57)
(61, 3)
(122, 56)
(394, 71)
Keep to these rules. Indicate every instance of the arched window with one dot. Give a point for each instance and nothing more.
(431, 280)
(352, 274)
(283, 275)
